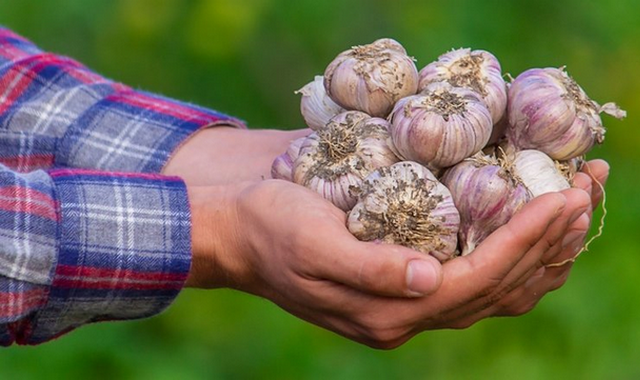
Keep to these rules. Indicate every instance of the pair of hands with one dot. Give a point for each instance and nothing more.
(283, 242)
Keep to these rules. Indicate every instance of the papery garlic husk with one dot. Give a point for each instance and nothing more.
(405, 204)
(441, 126)
(539, 173)
(282, 167)
(569, 168)
(477, 70)
(338, 156)
(550, 112)
(371, 78)
(316, 106)
(487, 194)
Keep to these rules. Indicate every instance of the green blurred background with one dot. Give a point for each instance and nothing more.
(246, 58)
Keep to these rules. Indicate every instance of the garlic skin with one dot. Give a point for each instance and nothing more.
(477, 70)
(538, 172)
(487, 194)
(371, 78)
(316, 106)
(337, 157)
(282, 167)
(405, 204)
(441, 126)
(550, 112)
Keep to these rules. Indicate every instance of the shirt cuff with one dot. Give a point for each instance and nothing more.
(124, 250)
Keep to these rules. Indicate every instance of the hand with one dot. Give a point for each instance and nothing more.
(303, 258)
(592, 180)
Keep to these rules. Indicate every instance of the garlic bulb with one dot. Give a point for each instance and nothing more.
(316, 106)
(371, 78)
(477, 70)
(486, 193)
(550, 112)
(282, 166)
(538, 172)
(405, 204)
(337, 157)
(441, 126)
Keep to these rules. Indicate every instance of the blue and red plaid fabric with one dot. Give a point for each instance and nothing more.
(88, 230)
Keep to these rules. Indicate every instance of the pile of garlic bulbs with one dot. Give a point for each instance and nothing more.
(437, 159)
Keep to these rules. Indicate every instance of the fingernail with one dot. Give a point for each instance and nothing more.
(572, 237)
(422, 277)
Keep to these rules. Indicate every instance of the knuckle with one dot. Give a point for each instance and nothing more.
(382, 335)
(496, 295)
(560, 281)
(463, 324)
(522, 308)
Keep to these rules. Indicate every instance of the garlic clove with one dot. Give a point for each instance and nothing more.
(315, 105)
(441, 126)
(538, 172)
(282, 166)
(477, 70)
(486, 193)
(550, 112)
(336, 158)
(405, 204)
(371, 78)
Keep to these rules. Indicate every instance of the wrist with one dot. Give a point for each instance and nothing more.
(214, 236)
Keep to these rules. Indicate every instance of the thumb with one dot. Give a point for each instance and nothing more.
(383, 269)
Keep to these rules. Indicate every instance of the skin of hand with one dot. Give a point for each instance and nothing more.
(303, 258)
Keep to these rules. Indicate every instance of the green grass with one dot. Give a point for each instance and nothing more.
(231, 55)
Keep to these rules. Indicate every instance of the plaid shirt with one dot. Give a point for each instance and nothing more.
(88, 230)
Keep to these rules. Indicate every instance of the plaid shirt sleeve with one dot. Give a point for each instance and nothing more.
(82, 239)
(86, 120)
(81, 246)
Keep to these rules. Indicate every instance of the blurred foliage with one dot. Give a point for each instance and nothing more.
(246, 58)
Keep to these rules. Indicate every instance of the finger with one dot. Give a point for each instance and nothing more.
(578, 206)
(539, 249)
(598, 170)
(549, 247)
(377, 268)
(522, 299)
(478, 278)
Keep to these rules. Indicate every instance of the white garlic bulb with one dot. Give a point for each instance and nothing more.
(538, 172)
(477, 70)
(487, 194)
(316, 106)
(550, 112)
(371, 78)
(441, 126)
(405, 204)
(337, 157)
(282, 167)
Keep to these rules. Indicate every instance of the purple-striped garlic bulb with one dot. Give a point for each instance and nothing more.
(405, 204)
(371, 78)
(316, 106)
(441, 126)
(550, 112)
(282, 167)
(539, 173)
(477, 70)
(339, 156)
(487, 194)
